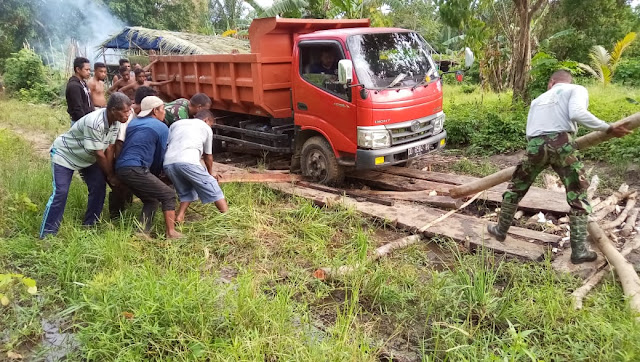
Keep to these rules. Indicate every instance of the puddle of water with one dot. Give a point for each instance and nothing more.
(56, 344)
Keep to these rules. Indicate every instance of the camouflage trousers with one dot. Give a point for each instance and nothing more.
(559, 151)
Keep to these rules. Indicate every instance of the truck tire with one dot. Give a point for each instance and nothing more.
(319, 162)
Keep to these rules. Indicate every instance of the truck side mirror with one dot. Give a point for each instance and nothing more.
(468, 58)
(345, 71)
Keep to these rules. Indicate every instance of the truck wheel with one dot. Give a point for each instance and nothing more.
(319, 162)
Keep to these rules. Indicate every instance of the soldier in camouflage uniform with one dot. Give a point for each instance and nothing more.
(551, 126)
(182, 108)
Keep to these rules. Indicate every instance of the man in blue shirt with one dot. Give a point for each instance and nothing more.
(328, 64)
(140, 163)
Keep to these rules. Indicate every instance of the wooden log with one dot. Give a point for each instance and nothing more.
(593, 186)
(631, 203)
(330, 273)
(332, 190)
(622, 193)
(324, 273)
(625, 271)
(586, 141)
(258, 177)
(414, 196)
(580, 293)
(630, 222)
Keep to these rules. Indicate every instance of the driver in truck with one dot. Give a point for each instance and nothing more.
(327, 65)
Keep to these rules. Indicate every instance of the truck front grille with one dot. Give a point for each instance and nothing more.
(410, 131)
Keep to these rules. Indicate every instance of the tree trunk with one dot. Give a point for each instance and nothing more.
(521, 52)
(525, 11)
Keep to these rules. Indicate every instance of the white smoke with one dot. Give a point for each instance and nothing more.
(87, 22)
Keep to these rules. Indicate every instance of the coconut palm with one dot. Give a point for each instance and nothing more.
(603, 65)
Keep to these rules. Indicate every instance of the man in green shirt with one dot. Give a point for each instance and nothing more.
(182, 108)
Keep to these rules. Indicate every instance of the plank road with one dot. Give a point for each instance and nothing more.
(397, 179)
(468, 230)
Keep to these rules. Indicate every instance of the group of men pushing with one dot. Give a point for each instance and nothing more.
(137, 146)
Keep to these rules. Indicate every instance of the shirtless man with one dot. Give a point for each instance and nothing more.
(125, 80)
(141, 80)
(123, 63)
(96, 85)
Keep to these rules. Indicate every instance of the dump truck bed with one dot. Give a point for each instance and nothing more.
(258, 83)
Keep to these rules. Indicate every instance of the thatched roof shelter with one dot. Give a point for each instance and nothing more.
(173, 42)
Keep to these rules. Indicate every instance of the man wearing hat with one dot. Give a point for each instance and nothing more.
(140, 163)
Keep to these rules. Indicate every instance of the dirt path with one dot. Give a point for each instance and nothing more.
(40, 142)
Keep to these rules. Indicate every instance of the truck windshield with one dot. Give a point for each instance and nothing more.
(388, 60)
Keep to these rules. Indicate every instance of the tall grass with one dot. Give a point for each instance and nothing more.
(252, 298)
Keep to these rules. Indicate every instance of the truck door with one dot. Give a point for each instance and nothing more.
(319, 101)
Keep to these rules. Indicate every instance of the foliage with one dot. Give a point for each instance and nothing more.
(542, 66)
(603, 64)
(16, 26)
(28, 79)
(283, 8)
(628, 72)
(177, 15)
(418, 15)
(593, 21)
(7, 282)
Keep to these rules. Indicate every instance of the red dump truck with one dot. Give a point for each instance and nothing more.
(336, 94)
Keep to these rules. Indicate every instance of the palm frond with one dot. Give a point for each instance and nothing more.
(620, 47)
(589, 70)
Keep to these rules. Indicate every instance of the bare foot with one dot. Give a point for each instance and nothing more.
(180, 218)
(174, 235)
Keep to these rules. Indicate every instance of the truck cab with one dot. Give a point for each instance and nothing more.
(335, 94)
(374, 95)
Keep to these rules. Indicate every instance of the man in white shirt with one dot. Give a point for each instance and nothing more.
(191, 140)
(551, 127)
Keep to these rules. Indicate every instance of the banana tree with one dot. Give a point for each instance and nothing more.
(286, 8)
(603, 65)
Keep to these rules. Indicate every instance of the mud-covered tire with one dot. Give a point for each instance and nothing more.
(319, 162)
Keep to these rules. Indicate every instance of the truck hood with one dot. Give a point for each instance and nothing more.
(390, 106)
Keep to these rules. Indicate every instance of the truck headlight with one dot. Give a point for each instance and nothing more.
(438, 123)
(373, 137)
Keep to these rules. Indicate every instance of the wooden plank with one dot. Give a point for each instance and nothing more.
(397, 183)
(258, 177)
(465, 229)
(537, 199)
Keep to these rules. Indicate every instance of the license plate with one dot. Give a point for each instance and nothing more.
(417, 151)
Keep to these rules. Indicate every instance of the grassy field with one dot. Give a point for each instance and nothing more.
(239, 288)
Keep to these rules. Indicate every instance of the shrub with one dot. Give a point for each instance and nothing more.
(542, 66)
(628, 72)
(28, 79)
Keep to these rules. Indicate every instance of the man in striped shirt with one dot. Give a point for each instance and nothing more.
(86, 148)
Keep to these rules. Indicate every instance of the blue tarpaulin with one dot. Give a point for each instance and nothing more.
(125, 40)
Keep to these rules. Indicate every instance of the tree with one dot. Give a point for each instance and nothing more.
(526, 10)
(284, 8)
(17, 25)
(603, 65)
(593, 22)
(176, 15)
(419, 15)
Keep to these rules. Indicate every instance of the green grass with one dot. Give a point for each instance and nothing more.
(254, 299)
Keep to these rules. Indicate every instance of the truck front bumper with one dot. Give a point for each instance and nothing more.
(368, 159)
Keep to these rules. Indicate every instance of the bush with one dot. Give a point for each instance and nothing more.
(28, 79)
(628, 72)
(487, 126)
(542, 66)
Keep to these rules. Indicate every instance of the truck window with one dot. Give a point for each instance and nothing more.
(319, 66)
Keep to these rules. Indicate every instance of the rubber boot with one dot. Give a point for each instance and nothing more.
(507, 211)
(580, 252)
